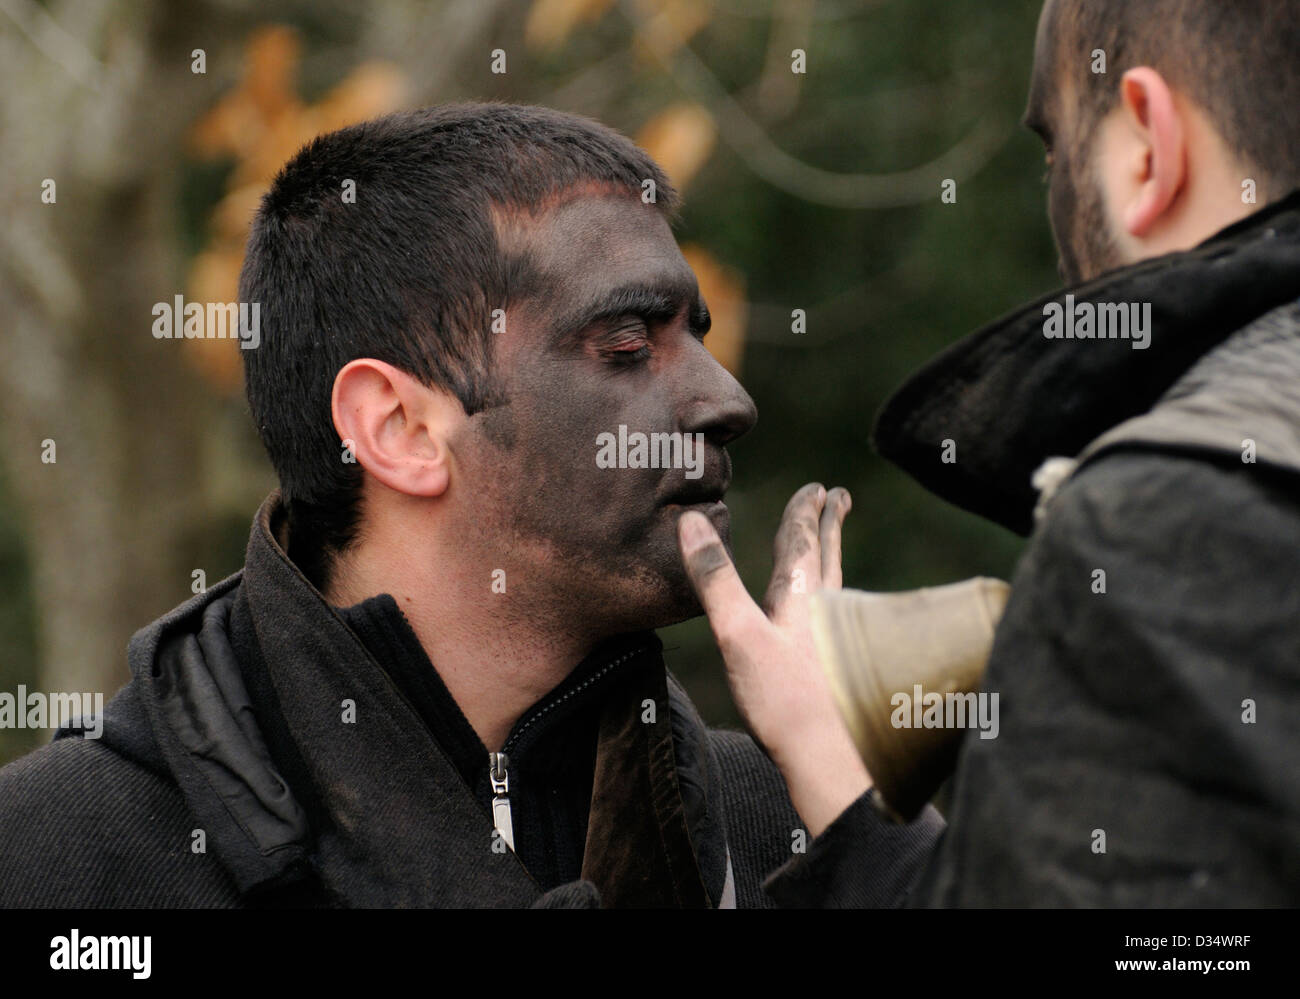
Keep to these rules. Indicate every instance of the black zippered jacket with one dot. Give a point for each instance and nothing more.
(271, 750)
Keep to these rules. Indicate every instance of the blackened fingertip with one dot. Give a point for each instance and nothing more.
(694, 530)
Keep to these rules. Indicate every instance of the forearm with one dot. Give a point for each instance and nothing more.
(824, 774)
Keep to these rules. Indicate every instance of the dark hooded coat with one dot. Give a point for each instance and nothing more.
(1148, 663)
(264, 754)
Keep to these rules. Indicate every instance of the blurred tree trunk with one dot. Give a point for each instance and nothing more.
(99, 98)
(99, 95)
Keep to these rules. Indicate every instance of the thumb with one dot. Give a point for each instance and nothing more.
(722, 595)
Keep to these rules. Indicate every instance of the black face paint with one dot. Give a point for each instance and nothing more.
(608, 341)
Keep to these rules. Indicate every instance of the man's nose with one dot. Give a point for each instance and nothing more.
(717, 407)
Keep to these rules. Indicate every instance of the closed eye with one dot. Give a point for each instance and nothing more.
(642, 353)
(628, 343)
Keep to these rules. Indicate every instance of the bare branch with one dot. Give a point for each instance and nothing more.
(803, 180)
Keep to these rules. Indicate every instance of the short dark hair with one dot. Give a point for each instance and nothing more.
(1238, 59)
(407, 272)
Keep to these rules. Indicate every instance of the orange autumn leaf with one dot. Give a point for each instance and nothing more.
(261, 123)
(667, 25)
(724, 293)
(551, 22)
(679, 138)
(213, 275)
(372, 89)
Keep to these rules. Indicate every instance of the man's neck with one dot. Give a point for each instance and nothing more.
(495, 662)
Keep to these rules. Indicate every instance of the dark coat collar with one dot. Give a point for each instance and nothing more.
(1009, 398)
(374, 810)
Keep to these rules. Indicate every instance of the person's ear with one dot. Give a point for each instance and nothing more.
(1155, 164)
(396, 428)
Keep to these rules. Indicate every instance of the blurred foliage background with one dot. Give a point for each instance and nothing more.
(816, 191)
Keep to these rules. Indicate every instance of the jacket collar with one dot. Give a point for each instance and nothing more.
(1241, 400)
(358, 789)
(1009, 398)
(548, 736)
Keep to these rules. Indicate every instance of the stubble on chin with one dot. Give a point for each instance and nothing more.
(658, 591)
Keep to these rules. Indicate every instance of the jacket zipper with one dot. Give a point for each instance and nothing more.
(500, 777)
(498, 763)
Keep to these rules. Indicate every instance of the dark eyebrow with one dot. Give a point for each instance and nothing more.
(654, 302)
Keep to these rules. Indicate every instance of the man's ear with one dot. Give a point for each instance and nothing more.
(395, 427)
(1155, 163)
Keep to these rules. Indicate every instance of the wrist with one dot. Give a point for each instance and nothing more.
(824, 775)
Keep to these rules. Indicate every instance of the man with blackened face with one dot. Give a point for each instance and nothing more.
(436, 681)
(601, 333)
(609, 336)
